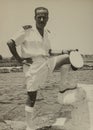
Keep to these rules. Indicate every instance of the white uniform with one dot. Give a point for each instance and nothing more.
(34, 46)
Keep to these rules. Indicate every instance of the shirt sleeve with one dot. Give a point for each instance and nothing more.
(19, 37)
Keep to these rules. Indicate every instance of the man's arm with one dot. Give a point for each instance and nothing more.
(12, 47)
(54, 53)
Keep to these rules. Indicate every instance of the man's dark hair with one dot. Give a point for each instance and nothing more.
(41, 8)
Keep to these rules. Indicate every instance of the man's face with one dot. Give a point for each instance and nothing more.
(41, 18)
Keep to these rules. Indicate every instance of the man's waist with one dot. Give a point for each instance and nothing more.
(36, 58)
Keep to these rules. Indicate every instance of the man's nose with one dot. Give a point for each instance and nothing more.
(42, 19)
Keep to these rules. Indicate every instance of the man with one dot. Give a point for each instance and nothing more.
(36, 58)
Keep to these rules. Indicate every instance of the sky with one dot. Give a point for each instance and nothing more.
(70, 22)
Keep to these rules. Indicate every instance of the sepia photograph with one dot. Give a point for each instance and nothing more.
(46, 65)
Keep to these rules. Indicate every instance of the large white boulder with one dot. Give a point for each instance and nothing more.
(71, 96)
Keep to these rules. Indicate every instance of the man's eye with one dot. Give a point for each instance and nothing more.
(42, 17)
(39, 18)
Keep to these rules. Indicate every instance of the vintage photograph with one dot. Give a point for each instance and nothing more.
(46, 65)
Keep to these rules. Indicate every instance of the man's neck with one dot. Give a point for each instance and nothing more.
(41, 31)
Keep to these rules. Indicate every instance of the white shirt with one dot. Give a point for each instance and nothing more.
(32, 43)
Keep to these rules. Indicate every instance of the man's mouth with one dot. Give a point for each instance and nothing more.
(42, 24)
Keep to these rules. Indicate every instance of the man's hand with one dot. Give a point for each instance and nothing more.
(19, 59)
(68, 51)
(72, 50)
(26, 61)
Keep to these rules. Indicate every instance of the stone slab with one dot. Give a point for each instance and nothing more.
(16, 125)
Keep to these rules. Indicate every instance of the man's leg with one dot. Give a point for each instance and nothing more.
(33, 81)
(61, 60)
(29, 109)
(63, 76)
(64, 62)
(31, 98)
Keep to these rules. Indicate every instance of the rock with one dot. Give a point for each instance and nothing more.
(16, 125)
